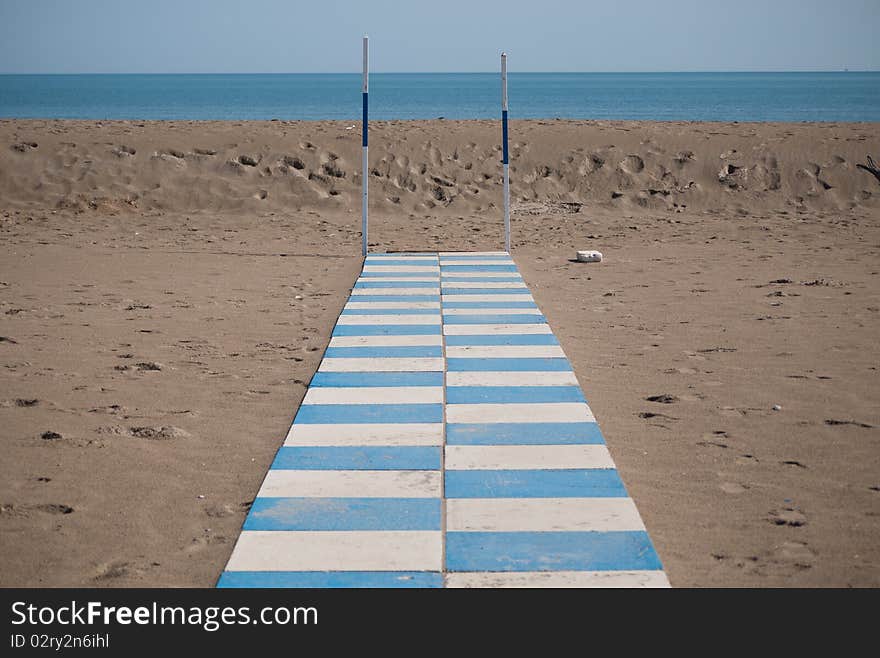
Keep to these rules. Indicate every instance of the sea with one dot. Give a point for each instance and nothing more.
(791, 97)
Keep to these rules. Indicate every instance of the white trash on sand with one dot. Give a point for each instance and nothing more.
(589, 256)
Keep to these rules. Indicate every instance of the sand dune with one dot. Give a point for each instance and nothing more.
(431, 167)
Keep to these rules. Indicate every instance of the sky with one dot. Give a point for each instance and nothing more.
(324, 36)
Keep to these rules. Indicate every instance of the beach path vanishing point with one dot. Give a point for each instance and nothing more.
(444, 441)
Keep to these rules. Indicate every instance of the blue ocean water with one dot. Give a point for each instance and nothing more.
(838, 96)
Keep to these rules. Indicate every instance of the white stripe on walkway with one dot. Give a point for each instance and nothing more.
(351, 484)
(483, 329)
(559, 579)
(529, 457)
(542, 515)
(491, 311)
(383, 364)
(375, 550)
(482, 274)
(390, 277)
(428, 269)
(474, 261)
(482, 284)
(454, 254)
(447, 299)
(388, 319)
(365, 434)
(545, 412)
(374, 395)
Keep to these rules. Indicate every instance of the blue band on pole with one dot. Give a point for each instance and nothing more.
(504, 159)
(365, 94)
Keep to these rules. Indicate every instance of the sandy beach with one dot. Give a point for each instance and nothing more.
(167, 290)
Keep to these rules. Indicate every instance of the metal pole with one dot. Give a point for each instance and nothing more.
(504, 158)
(365, 164)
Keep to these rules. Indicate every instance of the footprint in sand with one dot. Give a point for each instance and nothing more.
(632, 164)
(112, 571)
(108, 409)
(833, 423)
(680, 371)
(53, 508)
(683, 157)
(294, 162)
(24, 147)
(797, 552)
(165, 154)
(332, 169)
(123, 151)
(121, 569)
(146, 366)
(24, 511)
(162, 433)
(787, 516)
(663, 398)
(221, 510)
(26, 402)
(647, 415)
(199, 544)
(733, 488)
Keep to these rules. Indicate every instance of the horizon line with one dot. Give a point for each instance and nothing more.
(493, 72)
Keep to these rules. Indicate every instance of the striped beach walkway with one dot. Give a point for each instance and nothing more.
(444, 441)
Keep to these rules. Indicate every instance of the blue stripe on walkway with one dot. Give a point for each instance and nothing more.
(311, 414)
(344, 514)
(464, 255)
(512, 394)
(451, 305)
(394, 298)
(477, 268)
(330, 579)
(502, 339)
(487, 434)
(383, 352)
(391, 311)
(361, 379)
(358, 458)
(550, 551)
(494, 319)
(507, 365)
(396, 284)
(387, 330)
(568, 483)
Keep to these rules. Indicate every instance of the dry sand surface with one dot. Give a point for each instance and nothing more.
(167, 289)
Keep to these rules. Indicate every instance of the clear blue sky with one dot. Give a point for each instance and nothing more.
(231, 36)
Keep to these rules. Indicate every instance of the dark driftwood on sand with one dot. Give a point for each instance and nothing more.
(871, 168)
